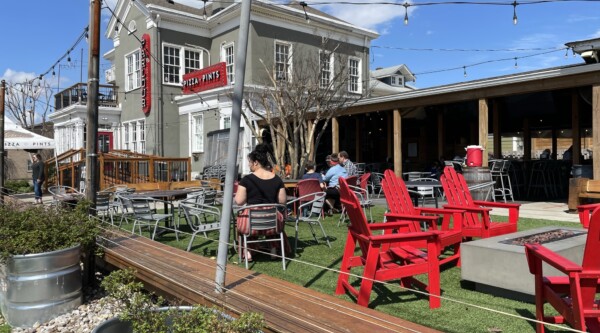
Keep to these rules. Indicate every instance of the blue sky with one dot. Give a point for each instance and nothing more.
(37, 33)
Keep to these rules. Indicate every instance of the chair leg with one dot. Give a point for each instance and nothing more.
(325, 235)
(191, 241)
(282, 250)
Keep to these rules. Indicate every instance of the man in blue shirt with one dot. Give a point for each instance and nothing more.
(332, 196)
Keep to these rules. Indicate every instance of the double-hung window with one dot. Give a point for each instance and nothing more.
(228, 57)
(179, 60)
(354, 77)
(132, 67)
(197, 136)
(134, 136)
(283, 64)
(326, 67)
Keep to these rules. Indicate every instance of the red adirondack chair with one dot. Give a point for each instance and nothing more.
(574, 295)
(584, 213)
(400, 205)
(477, 221)
(385, 257)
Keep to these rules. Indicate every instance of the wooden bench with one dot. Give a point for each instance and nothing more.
(144, 187)
(184, 184)
(591, 190)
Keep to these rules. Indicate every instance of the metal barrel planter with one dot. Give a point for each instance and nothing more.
(39, 287)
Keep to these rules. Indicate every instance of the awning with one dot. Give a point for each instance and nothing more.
(16, 137)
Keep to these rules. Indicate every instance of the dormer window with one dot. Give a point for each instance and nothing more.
(397, 80)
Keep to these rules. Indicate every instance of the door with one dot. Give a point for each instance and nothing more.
(105, 142)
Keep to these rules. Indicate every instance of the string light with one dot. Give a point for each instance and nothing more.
(69, 59)
(303, 4)
(406, 5)
(516, 65)
(204, 13)
(567, 53)
(515, 4)
(53, 72)
(465, 71)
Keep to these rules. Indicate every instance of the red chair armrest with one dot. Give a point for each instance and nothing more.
(469, 209)
(497, 204)
(388, 225)
(539, 252)
(405, 237)
(394, 216)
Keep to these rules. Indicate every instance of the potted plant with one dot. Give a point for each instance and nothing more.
(142, 312)
(40, 255)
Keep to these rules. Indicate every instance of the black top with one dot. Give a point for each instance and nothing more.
(261, 191)
(38, 171)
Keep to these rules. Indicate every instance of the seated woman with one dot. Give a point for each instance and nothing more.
(261, 186)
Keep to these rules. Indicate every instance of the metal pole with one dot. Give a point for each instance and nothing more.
(91, 161)
(230, 176)
(2, 94)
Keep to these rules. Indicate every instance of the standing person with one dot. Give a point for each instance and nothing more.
(347, 164)
(261, 186)
(38, 177)
(332, 193)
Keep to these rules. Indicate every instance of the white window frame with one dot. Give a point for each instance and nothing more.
(325, 69)
(134, 136)
(179, 62)
(133, 70)
(197, 132)
(226, 122)
(397, 80)
(229, 60)
(287, 63)
(355, 78)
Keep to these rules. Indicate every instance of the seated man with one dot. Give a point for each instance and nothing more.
(332, 176)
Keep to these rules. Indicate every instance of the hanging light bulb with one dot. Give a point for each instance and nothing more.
(304, 4)
(516, 65)
(515, 3)
(567, 53)
(171, 98)
(69, 58)
(406, 5)
(465, 71)
(573, 50)
(53, 72)
(204, 13)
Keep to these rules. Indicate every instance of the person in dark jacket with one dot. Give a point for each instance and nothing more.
(38, 176)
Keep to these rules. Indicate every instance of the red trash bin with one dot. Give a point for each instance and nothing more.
(474, 156)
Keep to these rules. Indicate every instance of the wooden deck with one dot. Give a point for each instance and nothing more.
(286, 307)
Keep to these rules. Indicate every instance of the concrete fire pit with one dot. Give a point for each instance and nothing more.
(500, 268)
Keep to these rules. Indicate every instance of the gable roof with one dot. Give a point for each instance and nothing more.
(393, 70)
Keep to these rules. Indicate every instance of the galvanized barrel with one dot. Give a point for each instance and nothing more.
(39, 287)
(478, 176)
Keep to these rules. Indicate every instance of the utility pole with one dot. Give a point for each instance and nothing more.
(234, 130)
(91, 161)
(2, 95)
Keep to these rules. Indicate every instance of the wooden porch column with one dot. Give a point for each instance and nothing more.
(483, 128)
(496, 130)
(596, 129)
(335, 135)
(441, 134)
(397, 143)
(526, 140)
(575, 129)
(390, 135)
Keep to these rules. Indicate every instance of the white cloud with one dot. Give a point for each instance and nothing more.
(367, 16)
(535, 40)
(595, 34)
(13, 76)
(579, 18)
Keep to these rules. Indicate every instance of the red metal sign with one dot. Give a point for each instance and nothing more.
(204, 79)
(146, 75)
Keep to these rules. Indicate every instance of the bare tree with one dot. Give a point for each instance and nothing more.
(296, 107)
(29, 102)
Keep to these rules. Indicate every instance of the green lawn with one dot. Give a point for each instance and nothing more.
(310, 268)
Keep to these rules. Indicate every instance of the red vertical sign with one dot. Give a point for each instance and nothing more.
(146, 75)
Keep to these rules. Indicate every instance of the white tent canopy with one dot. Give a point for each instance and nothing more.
(16, 137)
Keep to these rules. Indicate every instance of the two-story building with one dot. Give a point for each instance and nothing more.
(157, 42)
